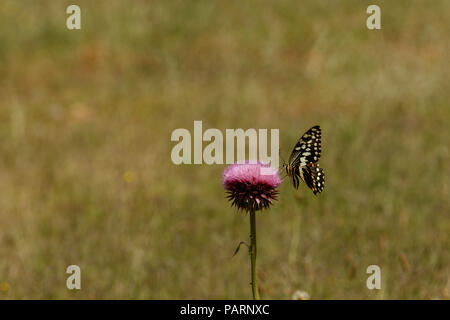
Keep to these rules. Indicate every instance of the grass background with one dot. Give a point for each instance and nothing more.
(85, 170)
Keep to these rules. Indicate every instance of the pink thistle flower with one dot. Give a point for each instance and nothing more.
(248, 188)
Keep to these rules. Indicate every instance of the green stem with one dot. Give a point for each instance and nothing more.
(252, 250)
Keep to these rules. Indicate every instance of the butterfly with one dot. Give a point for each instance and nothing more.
(303, 161)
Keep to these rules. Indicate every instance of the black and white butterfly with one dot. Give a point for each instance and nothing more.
(303, 161)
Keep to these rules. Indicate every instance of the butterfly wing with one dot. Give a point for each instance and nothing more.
(308, 148)
(314, 177)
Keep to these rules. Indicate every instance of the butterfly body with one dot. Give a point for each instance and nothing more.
(303, 161)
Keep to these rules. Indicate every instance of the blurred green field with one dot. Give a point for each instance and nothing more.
(86, 176)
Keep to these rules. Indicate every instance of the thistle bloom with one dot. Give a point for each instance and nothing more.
(251, 186)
